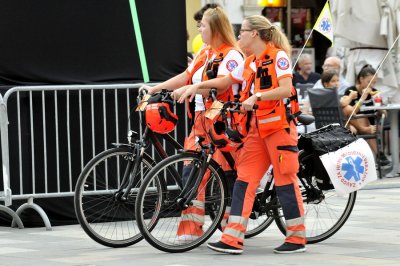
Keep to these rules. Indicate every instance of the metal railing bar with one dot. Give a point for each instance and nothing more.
(93, 138)
(32, 142)
(57, 139)
(116, 115)
(69, 143)
(116, 130)
(44, 140)
(105, 131)
(71, 87)
(128, 109)
(21, 187)
(81, 128)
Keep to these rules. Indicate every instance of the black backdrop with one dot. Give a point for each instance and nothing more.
(89, 41)
(81, 42)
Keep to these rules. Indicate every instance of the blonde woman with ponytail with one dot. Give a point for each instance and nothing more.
(266, 79)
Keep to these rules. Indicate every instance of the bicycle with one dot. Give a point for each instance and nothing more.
(106, 189)
(162, 198)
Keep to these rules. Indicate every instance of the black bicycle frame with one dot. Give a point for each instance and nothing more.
(139, 146)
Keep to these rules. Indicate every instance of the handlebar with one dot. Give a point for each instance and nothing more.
(165, 94)
(226, 105)
(213, 94)
(234, 106)
(142, 91)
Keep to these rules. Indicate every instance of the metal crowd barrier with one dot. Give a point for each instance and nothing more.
(55, 131)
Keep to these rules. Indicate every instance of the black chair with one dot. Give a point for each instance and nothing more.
(326, 109)
(303, 88)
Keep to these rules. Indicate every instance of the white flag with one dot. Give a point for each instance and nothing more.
(324, 23)
(351, 167)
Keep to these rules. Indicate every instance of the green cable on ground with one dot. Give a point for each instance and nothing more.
(139, 41)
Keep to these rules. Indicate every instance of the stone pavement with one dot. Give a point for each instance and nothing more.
(371, 236)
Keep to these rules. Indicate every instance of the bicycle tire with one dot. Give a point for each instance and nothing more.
(322, 219)
(158, 219)
(105, 219)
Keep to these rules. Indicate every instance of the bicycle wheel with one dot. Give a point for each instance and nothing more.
(104, 217)
(158, 209)
(325, 212)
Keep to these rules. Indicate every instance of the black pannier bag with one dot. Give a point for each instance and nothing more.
(323, 140)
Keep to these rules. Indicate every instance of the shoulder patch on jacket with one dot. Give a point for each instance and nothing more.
(283, 63)
(231, 65)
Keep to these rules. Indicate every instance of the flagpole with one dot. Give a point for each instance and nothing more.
(302, 49)
(369, 84)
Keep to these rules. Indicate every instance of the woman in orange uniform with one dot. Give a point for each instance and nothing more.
(217, 59)
(266, 79)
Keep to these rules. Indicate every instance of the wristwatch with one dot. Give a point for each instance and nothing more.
(258, 95)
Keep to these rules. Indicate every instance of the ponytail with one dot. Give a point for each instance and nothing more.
(270, 33)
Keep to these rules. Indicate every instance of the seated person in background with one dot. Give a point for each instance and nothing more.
(333, 62)
(329, 79)
(304, 74)
(361, 95)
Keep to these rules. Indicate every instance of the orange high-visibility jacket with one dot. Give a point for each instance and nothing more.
(271, 115)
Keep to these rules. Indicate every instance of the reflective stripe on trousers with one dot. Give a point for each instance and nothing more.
(234, 232)
(192, 220)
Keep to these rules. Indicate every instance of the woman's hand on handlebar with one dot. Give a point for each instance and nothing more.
(152, 90)
(144, 89)
(176, 94)
(248, 104)
(181, 94)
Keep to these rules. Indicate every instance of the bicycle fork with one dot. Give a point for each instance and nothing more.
(192, 185)
(129, 180)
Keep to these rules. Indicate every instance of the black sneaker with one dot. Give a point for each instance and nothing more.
(383, 159)
(287, 248)
(224, 248)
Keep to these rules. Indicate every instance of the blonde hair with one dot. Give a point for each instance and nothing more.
(220, 26)
(269, 32)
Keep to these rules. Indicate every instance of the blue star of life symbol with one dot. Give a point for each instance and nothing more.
(353, 168)
(325, 25)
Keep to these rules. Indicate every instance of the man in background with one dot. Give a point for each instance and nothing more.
(334, 62)
(305, 74)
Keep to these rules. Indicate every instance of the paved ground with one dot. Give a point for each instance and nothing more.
(370, 237)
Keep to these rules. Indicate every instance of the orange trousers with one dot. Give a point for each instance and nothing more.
(192, 219)
(252, 161)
